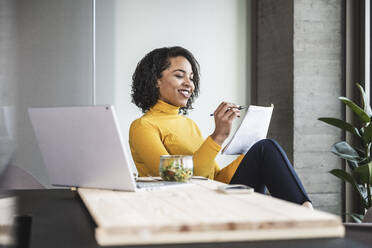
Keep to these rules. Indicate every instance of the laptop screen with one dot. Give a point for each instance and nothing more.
(82, 146)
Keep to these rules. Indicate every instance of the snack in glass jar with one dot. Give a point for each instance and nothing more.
(177, 168)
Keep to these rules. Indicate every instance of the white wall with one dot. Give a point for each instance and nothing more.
(215, 31)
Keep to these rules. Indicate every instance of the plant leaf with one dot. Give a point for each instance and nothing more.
(367, 135)
(358, 218)
(349, 178)
(352, 164)
(361, 131)
(340, 124)
(345, 151)
(364, 160)
(363, 116)
(365, 173)
(360, 151)
(366, 106)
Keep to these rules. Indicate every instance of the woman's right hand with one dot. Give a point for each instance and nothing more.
(223, 118)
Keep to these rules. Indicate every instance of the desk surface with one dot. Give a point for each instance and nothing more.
(60, 219)
(198, 212)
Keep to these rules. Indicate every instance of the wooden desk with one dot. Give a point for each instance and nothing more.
(60, 220)
(197, 212)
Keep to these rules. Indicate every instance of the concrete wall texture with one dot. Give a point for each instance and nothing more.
(275, 67)
(299, 62)
(317, 82)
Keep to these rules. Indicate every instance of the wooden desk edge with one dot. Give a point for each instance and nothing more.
(106, 238)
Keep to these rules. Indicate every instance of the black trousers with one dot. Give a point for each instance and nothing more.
(266, 164)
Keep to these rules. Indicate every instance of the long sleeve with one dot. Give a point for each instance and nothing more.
(204, 157)
(146, 147)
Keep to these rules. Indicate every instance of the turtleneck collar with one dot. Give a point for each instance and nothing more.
(164, 107)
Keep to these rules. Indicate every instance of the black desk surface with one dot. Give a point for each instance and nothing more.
(60, 219)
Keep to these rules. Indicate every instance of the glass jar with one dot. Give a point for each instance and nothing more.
(177, 168)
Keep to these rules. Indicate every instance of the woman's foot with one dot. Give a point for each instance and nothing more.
(308, 204)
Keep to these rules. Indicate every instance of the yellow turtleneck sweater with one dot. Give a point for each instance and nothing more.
(162, 131)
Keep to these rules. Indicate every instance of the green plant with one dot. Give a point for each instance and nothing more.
(358, 157)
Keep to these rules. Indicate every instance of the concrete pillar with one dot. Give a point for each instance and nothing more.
(299, 69)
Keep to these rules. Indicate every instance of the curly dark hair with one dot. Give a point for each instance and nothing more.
(145, 94)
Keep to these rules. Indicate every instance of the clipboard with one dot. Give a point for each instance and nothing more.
(253, 128)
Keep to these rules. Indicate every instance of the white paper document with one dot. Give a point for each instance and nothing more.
(253, 128)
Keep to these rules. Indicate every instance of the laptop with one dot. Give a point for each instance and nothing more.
(83, 147)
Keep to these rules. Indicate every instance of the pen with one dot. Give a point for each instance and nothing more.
(239, 108)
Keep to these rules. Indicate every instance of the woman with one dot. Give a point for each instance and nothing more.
(165, 84)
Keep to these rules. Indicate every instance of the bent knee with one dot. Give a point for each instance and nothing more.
(266, 142)
(264, 145)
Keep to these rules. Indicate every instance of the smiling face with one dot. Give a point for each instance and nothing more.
(176, 84)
